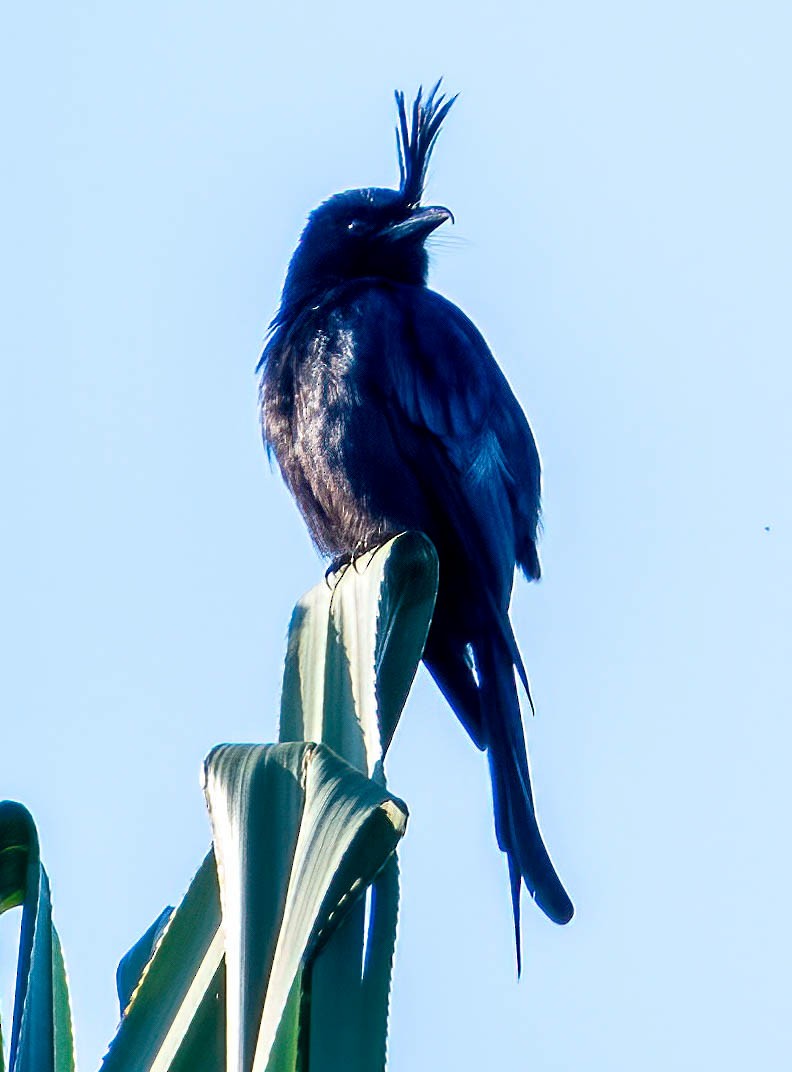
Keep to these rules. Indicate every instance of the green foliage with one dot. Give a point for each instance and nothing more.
(41, 1030)
(271, 963)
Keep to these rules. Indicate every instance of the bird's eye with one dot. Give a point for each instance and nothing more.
(354, 225)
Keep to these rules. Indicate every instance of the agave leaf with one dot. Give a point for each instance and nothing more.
(298, 833)
(41, 1029)
(353, 650)
(175, 1017)
(287, 875)
(262, 965)
(132, 966)
(354, 646)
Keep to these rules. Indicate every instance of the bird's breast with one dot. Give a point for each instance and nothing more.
(319, 420)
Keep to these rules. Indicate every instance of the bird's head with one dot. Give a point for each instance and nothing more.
(373, 232)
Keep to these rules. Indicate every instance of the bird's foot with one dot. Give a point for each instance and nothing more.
(338, 567)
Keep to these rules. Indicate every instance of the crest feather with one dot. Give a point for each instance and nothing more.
(415, 139)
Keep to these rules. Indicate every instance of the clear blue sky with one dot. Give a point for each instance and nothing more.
(621, 176)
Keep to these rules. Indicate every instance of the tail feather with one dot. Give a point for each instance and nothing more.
(515, 883)
(487, 704)
(516, 824)
(456, 679)
(507, 633)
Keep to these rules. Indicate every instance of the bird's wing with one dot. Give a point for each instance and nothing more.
(442, 409)
(456, 419)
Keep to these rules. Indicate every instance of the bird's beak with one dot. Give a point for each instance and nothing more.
(420, 223)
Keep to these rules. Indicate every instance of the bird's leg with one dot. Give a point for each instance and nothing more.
(341, 563)
(365, 547)
(358, 553)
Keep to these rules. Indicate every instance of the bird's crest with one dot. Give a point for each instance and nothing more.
(415, 140)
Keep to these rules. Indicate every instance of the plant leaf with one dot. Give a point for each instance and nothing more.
(288, 874)
(132, 966)
(354, 647)
(176, 1015)
(41, 1028)
(299, 833)
(353, 650)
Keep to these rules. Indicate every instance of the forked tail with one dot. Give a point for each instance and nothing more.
(516, 824)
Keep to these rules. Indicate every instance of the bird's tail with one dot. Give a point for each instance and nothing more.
(516, 824)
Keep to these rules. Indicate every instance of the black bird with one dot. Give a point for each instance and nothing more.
(386, 411)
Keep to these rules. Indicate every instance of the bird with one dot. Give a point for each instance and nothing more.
(385, 411)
